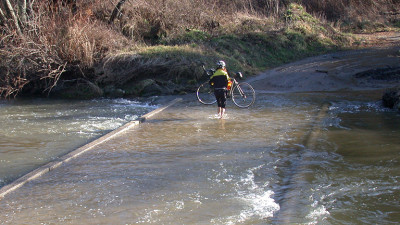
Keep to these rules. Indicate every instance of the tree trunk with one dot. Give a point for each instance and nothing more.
(22, 12)
(14, 17)
(277, 7)
(116, 10)
(3, 18)
(29, 10)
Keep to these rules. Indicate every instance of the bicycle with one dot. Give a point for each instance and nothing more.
(242, 94)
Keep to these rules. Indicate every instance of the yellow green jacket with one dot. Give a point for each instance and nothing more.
(220, 72)
(219, 79)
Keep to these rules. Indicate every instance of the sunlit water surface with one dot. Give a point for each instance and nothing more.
(34, 132)
(283, 161)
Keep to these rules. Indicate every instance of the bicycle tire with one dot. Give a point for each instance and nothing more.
(205, 94)
(243, 95)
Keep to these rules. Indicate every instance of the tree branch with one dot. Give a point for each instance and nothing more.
(116, 10)
(14, 17)
(3, 17)
(22, 12)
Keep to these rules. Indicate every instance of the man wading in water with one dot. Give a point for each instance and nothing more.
(220, 82)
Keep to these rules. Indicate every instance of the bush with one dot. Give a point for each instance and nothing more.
(51, 40)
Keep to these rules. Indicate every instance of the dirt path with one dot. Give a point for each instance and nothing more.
(336, 71)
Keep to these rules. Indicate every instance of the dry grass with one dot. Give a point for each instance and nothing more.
(167, 62)
(56, 37)
(51, 42)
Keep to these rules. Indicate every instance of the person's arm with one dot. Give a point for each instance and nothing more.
(228, 76)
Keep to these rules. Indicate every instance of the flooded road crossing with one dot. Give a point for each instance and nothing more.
(312, 158)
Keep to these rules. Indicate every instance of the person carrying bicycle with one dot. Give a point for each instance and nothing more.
(219, 81)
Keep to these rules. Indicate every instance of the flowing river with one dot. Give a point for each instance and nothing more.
(310, 158)
(36, 131)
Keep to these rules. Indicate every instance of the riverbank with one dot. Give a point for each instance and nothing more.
(171, 70)
(91, 55)
(176, 69)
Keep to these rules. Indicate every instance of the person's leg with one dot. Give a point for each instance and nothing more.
(223, 104)
(219, 96)
(222, 112)
(219, 107)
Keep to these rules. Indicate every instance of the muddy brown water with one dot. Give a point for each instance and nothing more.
(294, 158)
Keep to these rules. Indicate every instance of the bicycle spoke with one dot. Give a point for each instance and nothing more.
(243, 95)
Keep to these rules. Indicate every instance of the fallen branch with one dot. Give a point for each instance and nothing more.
(55, 76)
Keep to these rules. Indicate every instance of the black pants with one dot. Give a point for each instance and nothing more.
(220, 95)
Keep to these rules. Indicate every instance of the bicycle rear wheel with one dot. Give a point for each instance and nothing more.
(243, 95)
(205, 94)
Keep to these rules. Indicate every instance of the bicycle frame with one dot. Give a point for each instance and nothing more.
(235, 84)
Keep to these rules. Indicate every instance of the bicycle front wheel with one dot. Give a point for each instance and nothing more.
(243, 95)
(205, 94)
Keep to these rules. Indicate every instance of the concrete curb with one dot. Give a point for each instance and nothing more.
(77, 152)
(291, 196)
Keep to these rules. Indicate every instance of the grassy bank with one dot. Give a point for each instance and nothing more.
(99, 48)
(251, 46)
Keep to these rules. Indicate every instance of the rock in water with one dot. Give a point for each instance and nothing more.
(391, 98)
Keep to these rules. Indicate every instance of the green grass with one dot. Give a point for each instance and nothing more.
(249, 53)
(247, 50)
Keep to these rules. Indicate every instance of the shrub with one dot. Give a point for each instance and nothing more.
(51, 40)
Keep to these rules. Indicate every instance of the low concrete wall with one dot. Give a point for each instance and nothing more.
(54, 164)
(292, 196)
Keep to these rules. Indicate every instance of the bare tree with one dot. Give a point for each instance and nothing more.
(3, 18)
(116, 11)
(30, 59)
(17, 13)
(22, 11)
(14, 17)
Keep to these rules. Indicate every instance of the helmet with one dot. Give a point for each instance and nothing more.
(221, 64)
